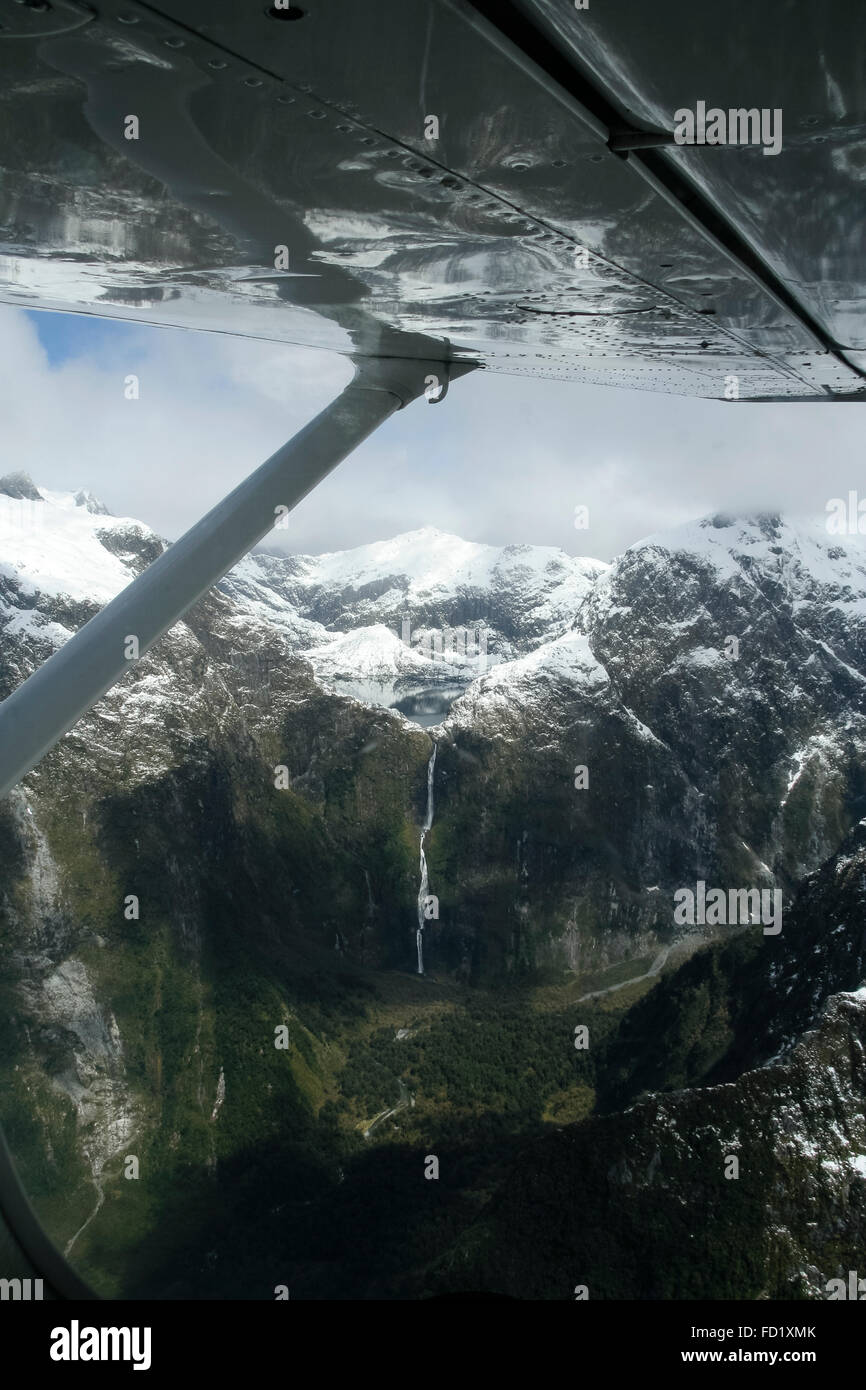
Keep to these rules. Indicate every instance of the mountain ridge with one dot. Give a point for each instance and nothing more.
(267, 823)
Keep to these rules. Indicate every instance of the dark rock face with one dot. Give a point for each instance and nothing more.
(745, 772)
(644, 1200)
(639, 1204)
(20, 486)
(92, 504)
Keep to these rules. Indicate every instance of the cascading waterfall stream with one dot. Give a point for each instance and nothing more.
(422, 891)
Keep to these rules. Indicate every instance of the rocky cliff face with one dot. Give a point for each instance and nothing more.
(711, 686)
(751, 1188)
(151, 855)
(228, 844)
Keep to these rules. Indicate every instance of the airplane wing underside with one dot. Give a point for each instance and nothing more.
(371, 177)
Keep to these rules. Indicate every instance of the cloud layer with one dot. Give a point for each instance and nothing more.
(502, 460)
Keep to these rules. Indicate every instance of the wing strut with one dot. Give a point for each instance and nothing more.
(50, 701)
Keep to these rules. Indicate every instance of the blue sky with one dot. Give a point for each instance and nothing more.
(503, 460)
(64, 336)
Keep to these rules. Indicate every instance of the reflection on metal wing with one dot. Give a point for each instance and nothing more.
(501, 176)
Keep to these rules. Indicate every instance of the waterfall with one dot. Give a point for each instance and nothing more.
(422, 891)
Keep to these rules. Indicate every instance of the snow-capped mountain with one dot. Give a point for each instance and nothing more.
(257, 783)
(525, 594)
(712, 691)
(408, 623)
(417, 616)
(717, 670)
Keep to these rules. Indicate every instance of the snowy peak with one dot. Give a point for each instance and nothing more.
(523, 595)
(372, 665)
(421, 614)
(426, 610)
(91, 504)
(423, 611)
(20, 486)
(785, 582)
(430, 562)
(535, 681)
(798, 549)
(58, 543)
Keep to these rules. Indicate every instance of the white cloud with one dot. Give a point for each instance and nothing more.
(501, 460)
(210, 409)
